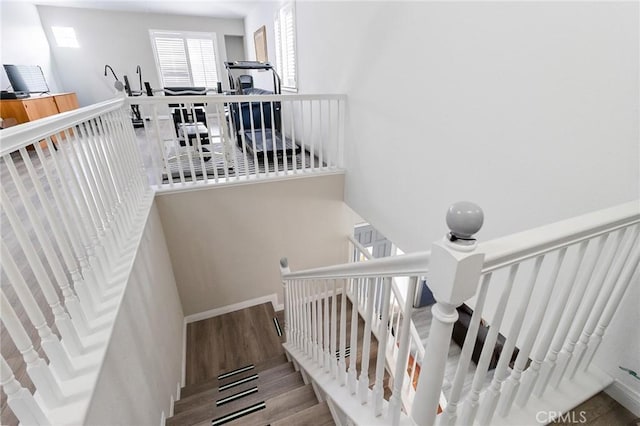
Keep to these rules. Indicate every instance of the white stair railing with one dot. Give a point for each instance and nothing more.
(75, 195)
(396, 307)
(190, 141)
(546, 296)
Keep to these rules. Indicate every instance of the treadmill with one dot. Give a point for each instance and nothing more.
(258, 124)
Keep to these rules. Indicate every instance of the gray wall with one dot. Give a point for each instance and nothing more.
(120, 39)
(226, 242)
(143, 364)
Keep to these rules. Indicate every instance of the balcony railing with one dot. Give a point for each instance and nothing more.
(191, 141)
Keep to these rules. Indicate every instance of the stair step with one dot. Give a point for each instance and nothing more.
(213, 382)
(239, 414)
(317, 415)
(236, 396)
(212, 393)
(280, 407)
(206, 409)
(236, 371)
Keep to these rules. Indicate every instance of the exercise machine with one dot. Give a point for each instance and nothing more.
(257, 125)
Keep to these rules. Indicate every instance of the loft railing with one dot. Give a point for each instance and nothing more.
(546, 295)
(190, 141)
(74, 200)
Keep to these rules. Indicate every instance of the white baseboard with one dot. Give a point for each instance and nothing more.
(273, 298)
(627, 397)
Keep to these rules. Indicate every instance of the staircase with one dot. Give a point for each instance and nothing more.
(269, 391)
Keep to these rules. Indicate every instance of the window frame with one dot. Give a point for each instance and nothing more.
(185, 36)
(281, 43)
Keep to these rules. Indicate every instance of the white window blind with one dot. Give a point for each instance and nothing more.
(285, 29)
(185, 58)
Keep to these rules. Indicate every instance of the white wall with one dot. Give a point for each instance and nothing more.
(23, 42)
(262, 14)
(226, 242)
(529, 109)
(120, 39)
(143, 364)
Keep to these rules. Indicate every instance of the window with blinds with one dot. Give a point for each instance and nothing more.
(285, 28)
(185, 58)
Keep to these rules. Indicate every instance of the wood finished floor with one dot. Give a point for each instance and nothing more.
(230, 341)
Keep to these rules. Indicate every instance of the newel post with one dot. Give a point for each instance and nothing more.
(454, 270)
(284, 269)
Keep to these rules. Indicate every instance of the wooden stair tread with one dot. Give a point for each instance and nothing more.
(206, 409)
(213, 382)
(316, 415)
(279, 407)
(212, 393)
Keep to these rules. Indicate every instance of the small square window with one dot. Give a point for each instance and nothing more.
(65, 36)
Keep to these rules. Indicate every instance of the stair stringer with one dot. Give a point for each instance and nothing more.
(345, 407)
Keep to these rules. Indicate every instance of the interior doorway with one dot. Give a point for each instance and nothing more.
(235, 48)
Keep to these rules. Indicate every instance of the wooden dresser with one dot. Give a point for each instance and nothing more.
(35, 107)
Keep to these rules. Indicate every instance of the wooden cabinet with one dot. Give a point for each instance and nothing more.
(66, 101)
(35, 107)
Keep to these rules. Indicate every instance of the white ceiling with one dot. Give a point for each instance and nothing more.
(212, 8)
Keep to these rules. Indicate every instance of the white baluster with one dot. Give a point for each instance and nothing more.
(455, 276)
(395, 403)
(71, 300)
(548, 367)
(363, 380)
(161, 148)
(49, 341)
(608, 290)
(450, 413)
(95, 269)
(19, 399)
(319, 322)
(83, 190)
(512, 384)
(91, 181)
(353, 353)
(314, 321)
(301, 315)
(102, 181)
(378, 388)
(288, 302)
(37, 369)
(492, 394)
(342, 364)
(334, 337)
(85, 296)
(106, 159)
(59, 235)
(308, 342)
(532, 376)
(79, 238)
(595, 284)
(630, 268)
(470, 408)
(62, 320)
(327, 337)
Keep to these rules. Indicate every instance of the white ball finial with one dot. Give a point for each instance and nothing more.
(464, 219)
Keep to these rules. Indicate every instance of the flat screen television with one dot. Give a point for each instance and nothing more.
(26, 78)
